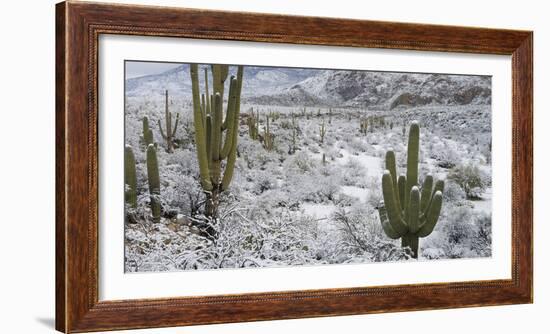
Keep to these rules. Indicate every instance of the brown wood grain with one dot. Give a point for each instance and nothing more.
(78, 26)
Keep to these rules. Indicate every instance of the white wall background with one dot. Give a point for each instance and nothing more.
(27, 69)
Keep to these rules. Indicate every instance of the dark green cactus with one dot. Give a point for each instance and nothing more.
(147, 132)
(130, 179)
(210, 127)
(268, 136)
(322, 132)
(363, 126)
(330, 116)
(170, 133)
(253, 125)
(408, 212)
(274, 115)
(154, 182)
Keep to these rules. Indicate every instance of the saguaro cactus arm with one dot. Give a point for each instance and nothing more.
(162, 134)
(233, 130)
(391, 167)
(412, 159)
(200, 135)
(432, 215)
(414, 210)
(176, 125)
(427, 188)
(394, 215)
(215, 141)
(206, 94)
(230, 119)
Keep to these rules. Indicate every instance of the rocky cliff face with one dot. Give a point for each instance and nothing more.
(383, 90)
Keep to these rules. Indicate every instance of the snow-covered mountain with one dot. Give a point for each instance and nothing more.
(257, 81)
(337, 88)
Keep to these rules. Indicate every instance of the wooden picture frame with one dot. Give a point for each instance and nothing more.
(78, 26)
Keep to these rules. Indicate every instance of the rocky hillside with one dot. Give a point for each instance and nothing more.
(383, 90)
(337, 88)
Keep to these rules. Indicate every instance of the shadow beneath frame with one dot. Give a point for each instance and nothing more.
(47, 322)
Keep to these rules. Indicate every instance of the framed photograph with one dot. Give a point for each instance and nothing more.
(223, 167)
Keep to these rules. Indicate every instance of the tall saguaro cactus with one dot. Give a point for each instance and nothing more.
(130, 178)
(210, 126)
(154, 182)
(170, 133)
(408, 212)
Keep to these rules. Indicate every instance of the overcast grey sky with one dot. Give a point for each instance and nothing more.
(140, 68)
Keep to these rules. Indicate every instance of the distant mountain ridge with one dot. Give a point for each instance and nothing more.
(336, 88)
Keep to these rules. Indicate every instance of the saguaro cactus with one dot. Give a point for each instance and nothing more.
(130, 179)
(322, 131)
(212, 149)
(293, 147)
(252, 122)
(154, 182)
(170, 133)
(268, 136)
(363, 126)
(147, 132)
(408, 212)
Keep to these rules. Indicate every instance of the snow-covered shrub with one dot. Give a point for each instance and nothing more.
(358, 145)
(314, 149)
(361, 237)
(285, 124)
(445, 153)
(328, 188)
(263, 181)
(332, 153)
(453, 192)
(471, 179)
(300, 162)
(185, 159)
(433, 253)
(458, 227)
(375, 195)
(354, 173)
(182, 194)
(314, 188)
(482, 240)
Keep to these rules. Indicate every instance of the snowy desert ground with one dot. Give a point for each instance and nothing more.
(313, 201)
